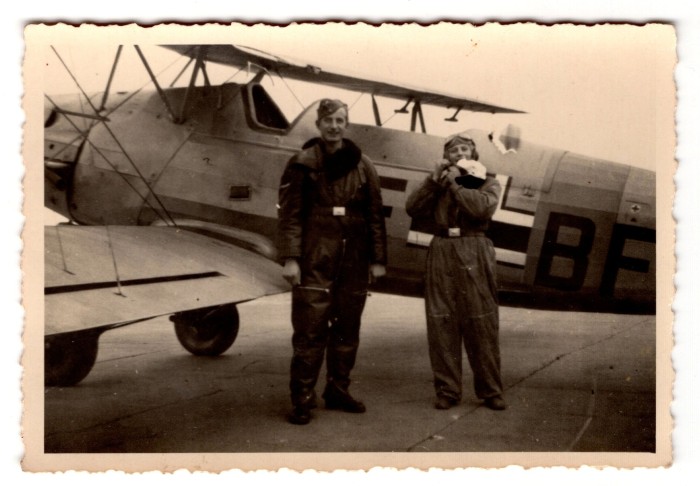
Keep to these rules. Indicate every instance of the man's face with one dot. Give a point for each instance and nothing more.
(460, 151)
(333, 126)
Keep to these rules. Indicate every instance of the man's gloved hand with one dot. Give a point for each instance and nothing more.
(292, 272)
(376, 271)
(439, 169)
(450, 175)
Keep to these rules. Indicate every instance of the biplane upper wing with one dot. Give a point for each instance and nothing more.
(239, 56)
(99, 277)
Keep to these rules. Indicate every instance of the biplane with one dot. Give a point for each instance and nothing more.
(171, 199)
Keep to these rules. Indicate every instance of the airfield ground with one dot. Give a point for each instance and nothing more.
(575, 382)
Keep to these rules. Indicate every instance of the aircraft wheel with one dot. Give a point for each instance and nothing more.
(207, 332)
(68, 358)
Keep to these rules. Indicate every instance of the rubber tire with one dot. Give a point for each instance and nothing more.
(209, 331)
(68, 358)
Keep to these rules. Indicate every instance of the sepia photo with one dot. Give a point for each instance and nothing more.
(199, 256)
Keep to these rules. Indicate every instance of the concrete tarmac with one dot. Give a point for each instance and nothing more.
(573, 382)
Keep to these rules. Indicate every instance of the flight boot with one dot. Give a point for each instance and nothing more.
(496, 403)
(302, 406)
(337, 398)
(443, 402)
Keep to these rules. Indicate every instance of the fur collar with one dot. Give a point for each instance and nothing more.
(338, 164)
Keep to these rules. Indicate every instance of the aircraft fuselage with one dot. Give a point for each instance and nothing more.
(570, 230)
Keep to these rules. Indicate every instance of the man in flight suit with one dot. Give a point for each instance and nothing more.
(460, 293)
(332, 240)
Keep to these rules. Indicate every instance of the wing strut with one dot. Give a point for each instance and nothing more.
(198, 65)
(127, 181)
(417, 112)
(404, 108)
(375, 110)
(114, 263)
(453, 118)
(164, 98)
(182, 71)
(63, 254)
(111, 78)
(114, 137)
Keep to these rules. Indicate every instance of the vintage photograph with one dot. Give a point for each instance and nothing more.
(348, 245)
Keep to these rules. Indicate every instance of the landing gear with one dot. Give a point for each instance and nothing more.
(68, 358)
(209, 331)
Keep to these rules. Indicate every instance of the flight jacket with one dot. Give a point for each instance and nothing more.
(455, 206)
(313, 184)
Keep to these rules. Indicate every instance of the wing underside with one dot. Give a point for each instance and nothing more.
(239, 56)
(104, 277)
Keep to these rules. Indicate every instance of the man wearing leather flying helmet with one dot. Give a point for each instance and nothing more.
(460, 292)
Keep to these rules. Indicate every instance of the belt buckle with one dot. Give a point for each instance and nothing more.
(338, 211)
(452, 232)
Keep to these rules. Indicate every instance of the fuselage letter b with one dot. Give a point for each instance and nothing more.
(563, 264)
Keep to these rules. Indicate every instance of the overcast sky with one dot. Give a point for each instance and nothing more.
(604, 91)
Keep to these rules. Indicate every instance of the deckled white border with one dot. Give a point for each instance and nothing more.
(681, 13)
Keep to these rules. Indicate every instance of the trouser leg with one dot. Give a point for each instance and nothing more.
(445, 356)
(349, 297)
(483, 351)
(344, 336)
(310, 313)
(444, 338)
(478, 303)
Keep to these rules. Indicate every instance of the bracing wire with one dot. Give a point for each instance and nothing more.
(116, 140)
(99, 152)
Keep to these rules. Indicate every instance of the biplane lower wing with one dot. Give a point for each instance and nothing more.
(101, 277)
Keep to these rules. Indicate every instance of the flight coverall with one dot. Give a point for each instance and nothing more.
(460, 292)
(331, 220)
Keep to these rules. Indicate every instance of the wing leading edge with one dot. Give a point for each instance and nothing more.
(239, 56)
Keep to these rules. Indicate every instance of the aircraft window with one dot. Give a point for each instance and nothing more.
(265, 112)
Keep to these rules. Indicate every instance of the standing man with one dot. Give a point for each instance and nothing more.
(460, 293)
(332, 240)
